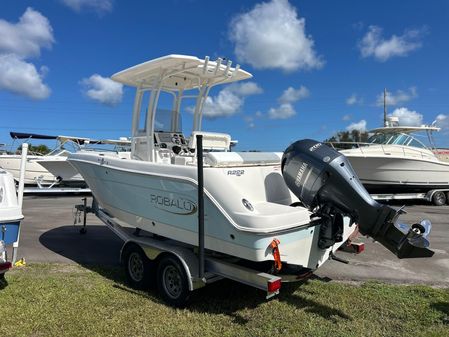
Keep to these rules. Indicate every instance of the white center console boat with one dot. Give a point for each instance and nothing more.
(306, 200)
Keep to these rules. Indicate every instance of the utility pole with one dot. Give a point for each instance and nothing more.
(385, 106)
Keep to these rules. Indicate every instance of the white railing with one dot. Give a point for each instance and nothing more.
(407, 151)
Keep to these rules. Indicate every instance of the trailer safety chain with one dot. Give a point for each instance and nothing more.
(276, 254)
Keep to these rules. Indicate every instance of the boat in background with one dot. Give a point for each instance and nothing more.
(59, 167)
(394, 160)
(35, 173)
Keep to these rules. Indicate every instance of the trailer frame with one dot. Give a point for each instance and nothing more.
(438, 197)
(216, 266)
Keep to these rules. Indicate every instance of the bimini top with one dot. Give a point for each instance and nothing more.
(404, 129)
(21, 135)
(176, 72)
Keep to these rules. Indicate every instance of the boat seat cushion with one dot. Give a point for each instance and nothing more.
(211, 140)
(225, 159)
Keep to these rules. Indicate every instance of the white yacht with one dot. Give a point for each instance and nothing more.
(248, 201)
(36, 173)
(394, 159)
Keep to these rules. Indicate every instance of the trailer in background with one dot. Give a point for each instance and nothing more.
(438, 197)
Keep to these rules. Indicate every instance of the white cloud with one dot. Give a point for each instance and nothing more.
(442, 121)
(250, 121)
(407, 117)
(373, 44)
(354, 99)
(284, 111)
(20, 77)
(291, 95)
(99, 6)
(359, 126)
(26, 37)
(103, 90)
(245, 88)
(400, 97)
(346, 117)
(229, 100)
(272, 36)
(19, 41)
(224, 104)
(351, 100)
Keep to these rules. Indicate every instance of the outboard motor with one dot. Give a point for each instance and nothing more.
(325, 182)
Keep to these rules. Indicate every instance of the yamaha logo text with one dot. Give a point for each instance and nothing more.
(314, 147)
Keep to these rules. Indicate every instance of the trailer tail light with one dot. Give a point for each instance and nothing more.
(358, 247)
(5, 266)
(353, 247)
(274, 286)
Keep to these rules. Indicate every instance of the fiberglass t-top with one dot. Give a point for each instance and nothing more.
(181, 77)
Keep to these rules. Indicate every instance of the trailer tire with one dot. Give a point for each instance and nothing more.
(172, 282)
(447, 198)
(137, 267)
(439, 198)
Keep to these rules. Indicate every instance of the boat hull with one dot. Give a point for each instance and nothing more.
(10, 212)
(162, 199)
(381, 174)
(34, 171)
(62, 169)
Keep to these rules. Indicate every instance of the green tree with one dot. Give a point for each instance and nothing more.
(41, 149)
(347, 137)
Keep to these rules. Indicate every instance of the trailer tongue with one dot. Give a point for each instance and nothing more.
(324, 181)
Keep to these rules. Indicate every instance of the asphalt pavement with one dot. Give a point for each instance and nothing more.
(49, 235)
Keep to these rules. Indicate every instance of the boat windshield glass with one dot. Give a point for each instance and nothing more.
(165, 121)
(378, 138)
(64, 149)
(396, 139)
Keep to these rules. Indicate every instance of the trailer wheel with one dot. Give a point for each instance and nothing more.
(137, 267)
(172, 281)
(447, 198)
(439, 198)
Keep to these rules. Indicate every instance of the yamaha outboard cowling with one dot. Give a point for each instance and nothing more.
(325, 182)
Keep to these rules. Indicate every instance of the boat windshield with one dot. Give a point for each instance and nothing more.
(64, 148)
(396, 139)
(165, 121)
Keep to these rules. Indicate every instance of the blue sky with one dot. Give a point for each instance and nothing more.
(318, 66)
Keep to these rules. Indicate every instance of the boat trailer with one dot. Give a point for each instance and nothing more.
(144, 253)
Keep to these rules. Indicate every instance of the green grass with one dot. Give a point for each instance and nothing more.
(65, 300)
